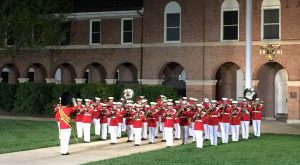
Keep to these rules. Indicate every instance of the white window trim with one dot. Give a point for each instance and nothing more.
(165, 23)
(90, 40)
(262, 22)
(222, 24)
(122, 30)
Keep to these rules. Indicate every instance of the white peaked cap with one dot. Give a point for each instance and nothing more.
(234, 102)
(129, 105)
(144, 100)
(162, 96)
(79, 99)
(170, 100)
(170, 103)
(129, 101)
(199, 105)
(87, 100)
(214, 101)
(177, 101)
(110, 98)
(224, 98)
(97, 98)
(153, 103)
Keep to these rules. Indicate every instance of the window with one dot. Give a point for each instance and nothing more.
(95, 32)
(230, 20)
(127, 31)
(4, 75)
(172, 23)
(270, 19)
(66, 37)
(31, 74)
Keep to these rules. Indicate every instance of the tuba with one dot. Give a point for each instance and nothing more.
(128, 94)
(250, 94)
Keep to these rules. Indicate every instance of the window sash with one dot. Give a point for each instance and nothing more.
(127, 32)
(95, 32)
(275, 25)
(174, 28)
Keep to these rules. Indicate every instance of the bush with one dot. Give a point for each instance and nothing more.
(37, 98)
(7, 94)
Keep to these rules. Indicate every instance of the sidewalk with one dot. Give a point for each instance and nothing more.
(84, 153)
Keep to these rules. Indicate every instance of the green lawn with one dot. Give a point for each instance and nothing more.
(269, 149)
(18, 135)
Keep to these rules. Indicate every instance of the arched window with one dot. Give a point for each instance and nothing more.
(31, 74)
(4, 75)
(172, 25)
(230, 20)
(270, 17)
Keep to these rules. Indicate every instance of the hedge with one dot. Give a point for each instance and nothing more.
(39, 98)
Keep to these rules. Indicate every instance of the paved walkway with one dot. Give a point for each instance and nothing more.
(84, 153)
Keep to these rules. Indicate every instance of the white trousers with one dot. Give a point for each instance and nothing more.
(169, 136)
(113, 133)
(129, 130)
(79, 129)
(225, 132)
(97, 125)
(177, 130)
(104, 131)
(256, 127)
(124, 125)
(86, 132)
(152, 131)
(64, 140)
(119, 130)
(206, 131)
(157, 128)
(163, 133)
(58, 126)
(137, 135)
(235, 132)
(191, 130)
(245, 129)
(213, 134)
(184, 130)
(199, 138)
(161, 125)
(145, 130)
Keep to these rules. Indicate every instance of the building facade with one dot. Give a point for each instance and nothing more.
(197, 47)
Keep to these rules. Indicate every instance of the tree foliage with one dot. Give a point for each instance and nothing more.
(32, 24)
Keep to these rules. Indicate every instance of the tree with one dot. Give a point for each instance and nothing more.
(32, 24)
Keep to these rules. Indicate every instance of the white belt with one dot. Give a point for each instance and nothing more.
(257, 111)
(87, 115)
(214, 116)
(226, 113)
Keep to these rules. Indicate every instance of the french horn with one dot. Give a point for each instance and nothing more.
(128, 94)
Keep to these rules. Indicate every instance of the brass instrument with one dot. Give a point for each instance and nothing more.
(128, 94)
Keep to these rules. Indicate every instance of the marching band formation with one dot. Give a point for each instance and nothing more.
(179, 120)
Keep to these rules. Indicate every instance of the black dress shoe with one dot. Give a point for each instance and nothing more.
(144, 139)
(112, 143)
(65, 153)
(163, 141)
(156, 136)
(151, 143)
(136, 145)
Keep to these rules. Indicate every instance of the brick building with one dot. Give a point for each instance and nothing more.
(197, 47)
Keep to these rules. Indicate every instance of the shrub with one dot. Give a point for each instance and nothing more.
(7, 93)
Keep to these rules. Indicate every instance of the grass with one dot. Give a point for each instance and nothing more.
(269, 149)
(18, 135)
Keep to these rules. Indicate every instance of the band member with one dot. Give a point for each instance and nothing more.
(78, 118)
(113, 124)
(225, 115)
(235, 121)
(177, 121)
(213, 123)
(96, 116)
(205, 119)
(151, 116)
(56, 116)
(198, 127)
(145, 108)
(169, 124)
(129, 121)
(87, 120)
(65, 123)
(120, 118)
(184, 122)
(104, 121)
(137, 125)
(245, 119)
(256, 116)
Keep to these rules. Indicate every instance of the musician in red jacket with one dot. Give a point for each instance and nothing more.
(87, 120)
(245, 119)
(65, 123)
(96, 116)
(104, 121)
(78, 118)
(113, 124)
(213, 122)
(128, 115)
(184, 116)
(235, 121)
(177, 121)
(151, 119)
(169, 117)
(256, 116)
(138, 118)
(198, 126)
(56, 117)
(120, 118)
(225, 115)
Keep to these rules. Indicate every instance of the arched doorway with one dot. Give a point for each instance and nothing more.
(36, 73)
(95, 73)
(65, 74)
(230, 81)
(174, 76)
(126, 73)
(10, 74)
(272, 89)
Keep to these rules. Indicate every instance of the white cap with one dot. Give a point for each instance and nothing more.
(144, 100)
(79, 100)
(129, 101)
(104, 105)
(119, 103)
(59, 98)
(129, 105)
(162, 96)
(153, 103)
(214, 101)
(142, 97)
(234, 102)
(177, 102)
(138, 105)
(184, 98)
(184, 102)
(122, 99)
(199, 105)
(115, 103)
(147, 106)
(87, 100)
(110, 98)
(170, 100)
(97, 98)
(206, 100)
(170, 103)
(165, 100)
(224, 99)
(257, 99)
